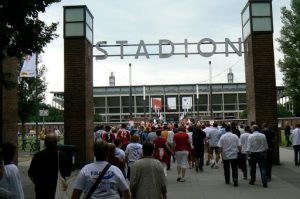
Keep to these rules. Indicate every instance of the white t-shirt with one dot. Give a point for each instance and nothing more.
(11, 181)
(296, 136)
(170, 137)
(244, 141)
(229, 143)
(134, 152)
(112, 181)
(119, 153)
(257, 142)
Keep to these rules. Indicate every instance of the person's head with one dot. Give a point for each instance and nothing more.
(123, 126)
(223, 124)
(118, 142)
(8, 152)
(101, 150)
(158, 132)
(181, 129)
(264, 125)
(111, 149)
(247, 129)
(153, 129)
(227, 128)
(107, 128)
(51, 141)
(255, 128)
(135, 138)
(215, 124)
(148, 149)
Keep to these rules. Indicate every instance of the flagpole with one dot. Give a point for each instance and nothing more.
(36, 98)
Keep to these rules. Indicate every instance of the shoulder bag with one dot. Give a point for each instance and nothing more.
(95, 185)
(61, 185)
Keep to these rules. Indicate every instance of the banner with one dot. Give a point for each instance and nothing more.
(29, 66)
(156, 104)
(171, 103)
(187, 102)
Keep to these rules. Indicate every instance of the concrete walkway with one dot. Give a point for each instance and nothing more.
(210, 184)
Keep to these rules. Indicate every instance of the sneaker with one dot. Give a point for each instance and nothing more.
(178, 179)
(235, 184)
(207, 162)
(252, 183)
(265, 185)
(182, 180)
(212, 165)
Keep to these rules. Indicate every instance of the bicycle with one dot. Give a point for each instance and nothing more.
(35, 146)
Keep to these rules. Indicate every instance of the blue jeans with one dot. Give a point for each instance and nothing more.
(260, 159)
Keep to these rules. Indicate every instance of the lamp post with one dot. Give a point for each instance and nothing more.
(197, 97)
(130, 93)
(210, 92)
(144, 103)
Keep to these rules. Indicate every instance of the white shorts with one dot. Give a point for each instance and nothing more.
(182, 158)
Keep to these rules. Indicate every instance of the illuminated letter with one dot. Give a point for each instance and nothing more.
(206, 41)
(237, 51)
(122, 47)
(138, 53)
(98, 47)
(165, 55)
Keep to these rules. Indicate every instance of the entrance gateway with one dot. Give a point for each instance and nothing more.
(257, 26)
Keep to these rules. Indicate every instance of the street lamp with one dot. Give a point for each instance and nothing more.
(78, 22)
(130, 93)
(257, 17)
(197, 97)
(210, 92)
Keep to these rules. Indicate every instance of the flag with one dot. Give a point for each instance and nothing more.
(29, 66)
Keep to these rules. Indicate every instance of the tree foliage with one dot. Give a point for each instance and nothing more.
(21, 32)
(31, 92)
(290, 46)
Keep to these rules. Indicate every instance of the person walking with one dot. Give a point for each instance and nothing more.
(257, 148)
(244, 141)
(287, 133)
(214, 136)
(199, 138)
(162, 152)
(181, 147)
(147, 179)
(230, 145)
(133, 152)
(270, 136)
(112, 181)
(296, 144)
(43, 170)
(11, 180)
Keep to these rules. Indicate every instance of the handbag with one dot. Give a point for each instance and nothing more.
(61, 185)
(95, 185)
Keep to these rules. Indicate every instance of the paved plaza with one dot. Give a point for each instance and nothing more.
(210, 184)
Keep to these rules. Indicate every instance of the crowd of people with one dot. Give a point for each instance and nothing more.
(134, 162)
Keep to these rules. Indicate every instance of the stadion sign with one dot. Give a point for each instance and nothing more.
(165, 48)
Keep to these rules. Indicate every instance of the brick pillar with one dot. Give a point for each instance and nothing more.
(9, 104)
(78, 98)
(261, 83)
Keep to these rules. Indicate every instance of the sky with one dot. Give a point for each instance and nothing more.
(175, 20)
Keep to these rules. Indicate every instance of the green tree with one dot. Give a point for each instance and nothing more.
(31, 92)
(21, 32)
(290, 46)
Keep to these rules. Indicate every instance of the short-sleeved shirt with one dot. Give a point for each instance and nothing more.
(112, 181)
(182, 141)
(296, 136)
(119, 153)
(244, 140)
(214, 136)
(134, 152)
(124, 135)
(229, 143)
(257, 142)
(170, 137)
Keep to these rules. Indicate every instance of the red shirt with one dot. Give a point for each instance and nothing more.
(124, 135)
(182, 141)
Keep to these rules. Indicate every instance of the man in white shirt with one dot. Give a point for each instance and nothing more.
(111, 183)
(230, 145)
(296, 144)
(214, 136)
(244, 141)
(257, 148)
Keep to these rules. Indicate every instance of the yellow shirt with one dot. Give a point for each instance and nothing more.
(164, 134)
